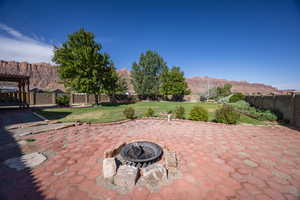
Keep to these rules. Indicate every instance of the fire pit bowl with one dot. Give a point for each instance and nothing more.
(141, 154)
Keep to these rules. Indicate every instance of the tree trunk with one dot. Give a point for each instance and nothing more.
(96, 99)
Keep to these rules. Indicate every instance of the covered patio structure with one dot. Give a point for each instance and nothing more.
(22, 96)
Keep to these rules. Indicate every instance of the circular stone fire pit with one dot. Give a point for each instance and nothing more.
(140, 154)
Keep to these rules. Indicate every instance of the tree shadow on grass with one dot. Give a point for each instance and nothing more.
(53, 115)
(16, 184)
(111, 104)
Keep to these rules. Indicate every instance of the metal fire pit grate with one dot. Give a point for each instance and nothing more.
(140, 154)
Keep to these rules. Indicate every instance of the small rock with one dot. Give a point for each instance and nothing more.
(171, 160)
(154, 174)
(22, 142)
(172, 172)
(29, 160)
(126, 176)
(109, 168)
(114, 151)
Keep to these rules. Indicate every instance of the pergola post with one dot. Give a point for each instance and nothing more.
(28, 93)
(20, 94)
(24, 93)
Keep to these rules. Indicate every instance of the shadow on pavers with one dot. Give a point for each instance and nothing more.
(16, 184)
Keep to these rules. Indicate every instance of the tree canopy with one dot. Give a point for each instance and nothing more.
(147, 72)
(82, 66)
(173, 83)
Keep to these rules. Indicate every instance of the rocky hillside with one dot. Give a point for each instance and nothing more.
(44, 76)
(200, 85)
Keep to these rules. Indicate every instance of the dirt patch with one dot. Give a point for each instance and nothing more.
(87, 115)
(211, 109)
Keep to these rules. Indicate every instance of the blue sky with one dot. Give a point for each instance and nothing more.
(251, 40)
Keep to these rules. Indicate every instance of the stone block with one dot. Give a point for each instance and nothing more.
(114, 150)
(171, 160)
(154, 175)
(109, 168)
(172, 172)
(126, 176)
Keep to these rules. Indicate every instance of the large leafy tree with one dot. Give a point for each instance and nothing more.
(147, 72)
(173, 83)
(82, 66)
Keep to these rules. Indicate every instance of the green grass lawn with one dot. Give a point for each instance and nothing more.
(109, 113)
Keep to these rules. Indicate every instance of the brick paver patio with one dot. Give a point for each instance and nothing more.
(216, 161)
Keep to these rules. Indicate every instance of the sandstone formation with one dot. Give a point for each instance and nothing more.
(44, 76)
(200, 85)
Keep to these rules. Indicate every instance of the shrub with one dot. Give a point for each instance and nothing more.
(149, 112)
(170, 111)
(279, 116)
(236, 97)
(244, 107)
(179, 112)
(30, 140)
(62, 100)
(227, 115)
(267, 115)
(224, 99)
(241, 105)
(129, 113)
(199, 114)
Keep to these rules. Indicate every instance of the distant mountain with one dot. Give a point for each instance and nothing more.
(44, 76)
(200, 85)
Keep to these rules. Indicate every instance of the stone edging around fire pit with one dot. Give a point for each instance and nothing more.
(123, 178)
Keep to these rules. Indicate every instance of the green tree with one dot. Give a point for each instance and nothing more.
(146, 73)
(114, 84)
(82, 66)
(224, 91)
(237, 97)
(173, 83)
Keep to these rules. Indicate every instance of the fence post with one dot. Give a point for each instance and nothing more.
(32, 98)
(71, 99)
(292, 109)
(86, 98)
(274, 102)
(54, 98)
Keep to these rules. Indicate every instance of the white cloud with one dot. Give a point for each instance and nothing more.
(19, 47)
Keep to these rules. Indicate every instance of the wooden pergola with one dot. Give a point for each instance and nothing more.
(23, 85)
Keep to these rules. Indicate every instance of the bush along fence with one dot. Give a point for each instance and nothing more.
(287, 105)
(43, 98)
